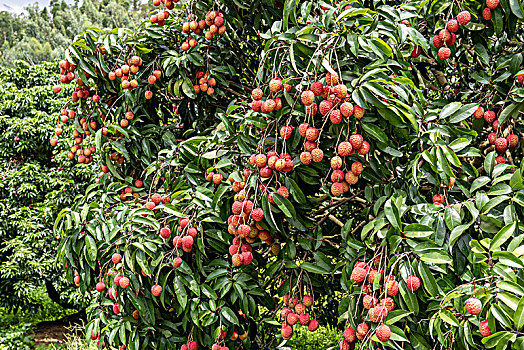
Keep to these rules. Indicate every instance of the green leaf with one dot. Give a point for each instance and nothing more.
(375, 132)
(449, 318)
(516, 8)
(508, 259)
(392, 213)
(396, 315)
(502, 236)
(463, 113)
(229, 315)
(489, 163)
(443, 162)
(418, 231)
(91, 249)
(449, 109)
(428, 280)
(409, 298)
(518, 317)
(285, 205)
(313, 268)
(180, 291)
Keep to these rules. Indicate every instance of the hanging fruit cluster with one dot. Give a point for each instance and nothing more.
(296, 313)
(447, 37)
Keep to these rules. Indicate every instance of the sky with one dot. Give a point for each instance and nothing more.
(17, 6)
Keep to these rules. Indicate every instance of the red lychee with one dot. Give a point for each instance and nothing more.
(452, 25)
(349, 335)
(312, 134)
(501, 144)
(177, 262)
(287, 332)
(444, 53)
(351, 178)
(275, 85)
(317, 87)
(464, 17)
(484, 328)
(302, 128)
(492, 4)
(237, 259)
(156, 290)
(392, 288)
(305, 158)
(307, 97)
(358, 275)
(340, 91)
(335, 116)
(513, 140)
(479, 113)
(369, 301)
(486, 14)
(116, 258)
(336, 162)
(345, 148)
(383, 333)
(285, 132)
(317, 154)
(492, 137)
(313, 325)
(304, 319)
(346, 109)
(325, 106)
(356, 168)
(364, 149)
(489, 116)
(437, 41)
(473, 306)
(359, 112)
(413, 283)
(337, 189)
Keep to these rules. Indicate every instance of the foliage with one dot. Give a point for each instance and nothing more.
(43, 34)
(34, 186)
(434, 202)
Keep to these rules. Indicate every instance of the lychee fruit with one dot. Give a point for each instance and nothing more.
(437, 41)
(356, 168)
(325, 106)
(340, 91)
(501, 144)
(486, 14)
(345, 148)
(237, 259)
(287, 332)
(116, 258)
(302, 128)
(312, 134)
(392, 288)
(156, 290)
(304, 319)
(351, 178)
(444, 53)
(346, 109)
(489, 116)
(492, 4)
(492, 137)
(364, 149)
(165, 232)
(317, 154)
(473, 306)
(337, 189)
(285, 132)
(358, 275)
(484, 328)
(362, 328)
(388, 303)
(307, 300)
(257, 214)
(464, 17)
(336, 162)
(349, 335)
(313, 325)
(307, 97)
(513, 140)
(369, 301)
(358, 112)
(124, 282)
(479, 113)
(317, 87)
(383, 333)
(452, 25)
(413, 283)
(335, 116)
(306, 158)
(177, 262)
(275, 85)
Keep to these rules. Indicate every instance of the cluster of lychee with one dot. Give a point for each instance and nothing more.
(366, 275)
(447, 35)
(272, 102)
(295, 313)
(271, 161)
(193, 345)
(490, 5)
(214, 22)
(474, 307)
(501, 143)
(206, 83)
(170, 4)
(125, 71)
(215, 178)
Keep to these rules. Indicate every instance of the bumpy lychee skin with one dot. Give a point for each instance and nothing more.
(337, 189)
(492, 4)
(437, 41)
(317, 154)
(337, 176)
(247, 258)
(489, 116)
(362, 329)
(306, 158)
(484, 328)
(520, 78)
(156, 290)
(275, 85)
(116, 258)
(307, 300)
(392, 288)
(312, 134)
(413, 283)
(325, 106)
(452, 25)
(364, 149)
(344, 345)
(388, 303)
(287, 332)
(340, 91)
(304, 319)
(492, 137)
(501, 144)
(302, 128)
(307, 97)
(313, 325)
(346, 109)
(335, 116)
(463, 17)
(383, 333)
(285, 132)
(356, 141)
(349, 335)
(473, 306)
(479, 113)
(312, 110)
(372, 275)
(358, 112)
(369, 301)
(351, 178)
(445, 34)
(237, 259)
(292, 318)
(257, 214)
(356, 168)
(257, 94)
(513, 140)
(495, 125)
(358, 275)
(336, 162)
(345, 149)
(486, 14)
(100, 286)
(438, 198)
(444, 53)
(317, 87)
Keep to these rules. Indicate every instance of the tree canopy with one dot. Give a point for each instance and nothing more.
(272, 165)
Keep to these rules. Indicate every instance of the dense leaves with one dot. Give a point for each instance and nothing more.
(404, 186)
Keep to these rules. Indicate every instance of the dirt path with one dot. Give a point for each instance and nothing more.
(53, 332)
